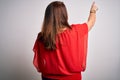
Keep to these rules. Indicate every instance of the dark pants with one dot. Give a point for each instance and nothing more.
(43, 78)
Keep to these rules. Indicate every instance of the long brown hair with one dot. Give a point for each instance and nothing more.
(55, 19)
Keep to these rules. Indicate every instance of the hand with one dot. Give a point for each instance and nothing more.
(92, 16)
(94, 8)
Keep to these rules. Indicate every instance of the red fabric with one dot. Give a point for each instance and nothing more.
(70, 56)
(76, 76)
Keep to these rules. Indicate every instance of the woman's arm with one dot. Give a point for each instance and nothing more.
(92, 16)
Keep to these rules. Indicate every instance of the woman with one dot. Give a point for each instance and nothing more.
(61, 49)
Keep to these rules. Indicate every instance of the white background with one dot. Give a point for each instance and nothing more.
(21, 20)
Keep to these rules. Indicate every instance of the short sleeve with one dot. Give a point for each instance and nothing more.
(84, 28)
(36, 56)
(81, 28)
(82, 31)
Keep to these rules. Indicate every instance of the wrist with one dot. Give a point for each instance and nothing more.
(92, 11)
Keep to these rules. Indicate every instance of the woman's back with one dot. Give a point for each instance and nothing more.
(61, 54)
(69, 58)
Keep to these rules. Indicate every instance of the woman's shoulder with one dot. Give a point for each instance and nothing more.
(39, 36)
(74, 27)
(80, 26)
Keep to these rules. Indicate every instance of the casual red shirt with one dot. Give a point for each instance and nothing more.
(69, 59)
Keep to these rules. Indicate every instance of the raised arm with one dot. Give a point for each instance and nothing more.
(92, 16)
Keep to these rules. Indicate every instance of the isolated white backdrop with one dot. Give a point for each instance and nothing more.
(21, 20)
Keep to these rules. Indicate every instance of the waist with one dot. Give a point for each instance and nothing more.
(74, 76)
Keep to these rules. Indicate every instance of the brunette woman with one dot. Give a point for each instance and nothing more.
(60, 50)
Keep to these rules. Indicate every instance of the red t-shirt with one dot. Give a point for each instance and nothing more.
(68, 59)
